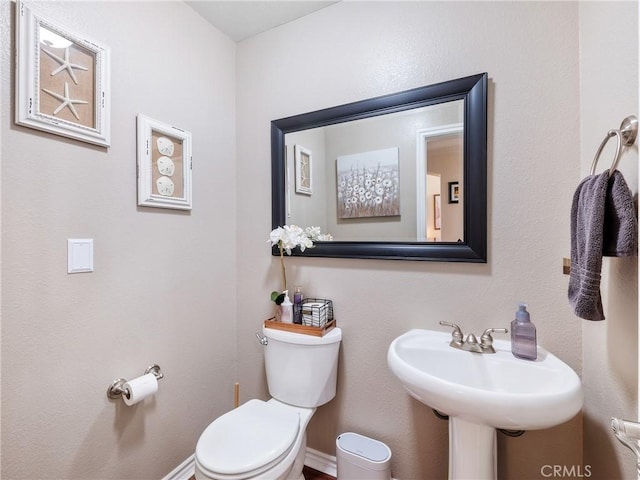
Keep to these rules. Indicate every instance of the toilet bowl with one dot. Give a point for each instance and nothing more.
(256, 440)
(267, 440)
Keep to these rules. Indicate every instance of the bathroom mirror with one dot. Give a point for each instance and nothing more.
(402, 176)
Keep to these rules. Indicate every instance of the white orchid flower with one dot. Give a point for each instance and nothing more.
(289, 237)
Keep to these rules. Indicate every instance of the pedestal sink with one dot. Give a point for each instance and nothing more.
(482, 392)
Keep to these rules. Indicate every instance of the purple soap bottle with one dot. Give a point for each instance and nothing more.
(297, 305)
(523, 335)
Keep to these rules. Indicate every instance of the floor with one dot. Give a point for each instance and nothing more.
(309, 474)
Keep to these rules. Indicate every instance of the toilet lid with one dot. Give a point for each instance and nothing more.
(251, 437)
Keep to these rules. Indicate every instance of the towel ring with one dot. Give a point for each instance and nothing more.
(626, 136)
(610, 133)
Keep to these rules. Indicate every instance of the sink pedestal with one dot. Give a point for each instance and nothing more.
(481, 392)
(472, 450)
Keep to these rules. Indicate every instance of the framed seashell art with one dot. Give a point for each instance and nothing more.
(62, 79)
(164, 165)
(304, 170)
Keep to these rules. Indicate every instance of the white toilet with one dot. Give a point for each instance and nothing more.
(267, 440)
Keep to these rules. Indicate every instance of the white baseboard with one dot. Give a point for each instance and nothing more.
(184, 471)
(321, 461)
(313, 458)
(317, 460)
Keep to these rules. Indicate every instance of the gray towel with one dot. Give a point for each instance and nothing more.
(587, 232)
(603, 222)
(620, 221)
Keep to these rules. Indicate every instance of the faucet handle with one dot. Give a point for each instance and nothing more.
(486, 340)
(456, 336)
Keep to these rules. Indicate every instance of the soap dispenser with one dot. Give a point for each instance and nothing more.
(297, 305)
(523, 335)
(287, 309)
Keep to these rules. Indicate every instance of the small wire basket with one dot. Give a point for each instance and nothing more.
(315, 312)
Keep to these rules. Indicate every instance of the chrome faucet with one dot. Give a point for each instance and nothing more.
(471, 344)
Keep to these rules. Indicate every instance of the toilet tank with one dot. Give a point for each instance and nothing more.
(302, 370)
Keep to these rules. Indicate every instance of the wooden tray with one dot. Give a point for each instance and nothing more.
(297, 328)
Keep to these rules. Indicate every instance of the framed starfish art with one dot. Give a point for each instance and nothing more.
(164, 165)
(62, 80)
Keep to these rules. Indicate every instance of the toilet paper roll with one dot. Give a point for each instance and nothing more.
(140, 388)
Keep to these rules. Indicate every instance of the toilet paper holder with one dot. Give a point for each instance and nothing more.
(117, 390)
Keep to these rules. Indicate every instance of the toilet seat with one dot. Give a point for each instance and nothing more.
(248, 440)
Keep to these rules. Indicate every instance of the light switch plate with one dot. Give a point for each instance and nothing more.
(79, 255)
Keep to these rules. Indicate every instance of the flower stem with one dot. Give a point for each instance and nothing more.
(284, 273)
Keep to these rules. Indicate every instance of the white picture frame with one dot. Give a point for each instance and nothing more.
(304, 170)
(62, 80)
(164, 165)
(437, 212)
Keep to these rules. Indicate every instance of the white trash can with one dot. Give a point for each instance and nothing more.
(362, 458)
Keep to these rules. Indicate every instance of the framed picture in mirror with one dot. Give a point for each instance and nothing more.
(368, 184)
(437, 218)
(304, 178)
(454, 192)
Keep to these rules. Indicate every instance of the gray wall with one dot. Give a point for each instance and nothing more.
(609, 92)
(161, 292)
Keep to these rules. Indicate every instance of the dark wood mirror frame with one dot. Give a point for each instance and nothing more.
(473, 90)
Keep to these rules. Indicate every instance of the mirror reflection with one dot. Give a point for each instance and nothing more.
(394, 177)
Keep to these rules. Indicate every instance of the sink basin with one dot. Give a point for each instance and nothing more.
(482, 392)
(495, 389)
